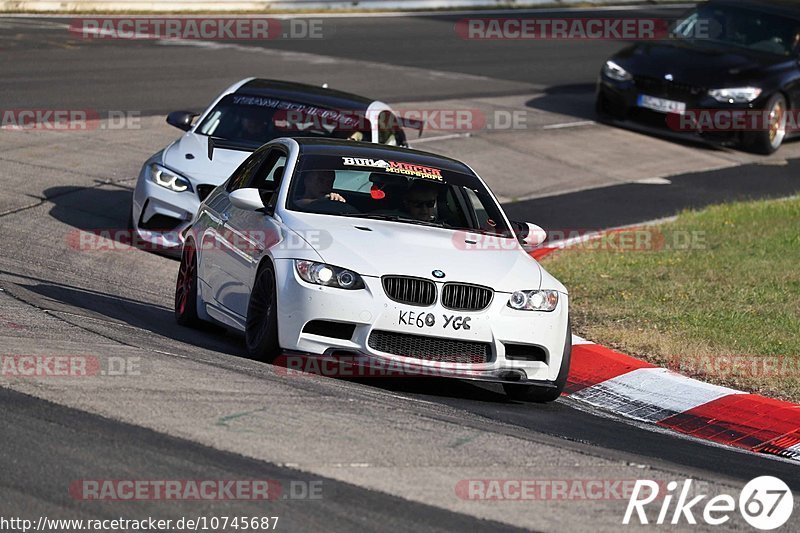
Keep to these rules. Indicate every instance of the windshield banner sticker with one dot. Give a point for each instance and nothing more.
(308, 110)
(395, 167)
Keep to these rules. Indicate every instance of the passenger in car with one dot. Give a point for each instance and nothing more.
(420, 200)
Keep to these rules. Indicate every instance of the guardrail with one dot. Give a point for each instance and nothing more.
(79, 6)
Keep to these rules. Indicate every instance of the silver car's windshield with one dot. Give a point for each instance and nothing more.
(241, 117)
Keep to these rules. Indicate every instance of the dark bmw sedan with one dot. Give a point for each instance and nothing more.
(729, 71)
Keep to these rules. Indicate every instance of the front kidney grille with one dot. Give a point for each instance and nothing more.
(429, 348)
(463, 297)
(668, 89)
(412, 291)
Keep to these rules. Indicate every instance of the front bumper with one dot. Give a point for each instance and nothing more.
(619, 101)
(361, 313)
(160, 215)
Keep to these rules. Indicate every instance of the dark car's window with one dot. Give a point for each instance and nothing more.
(406, 192)
(741, 27)
(242, 117)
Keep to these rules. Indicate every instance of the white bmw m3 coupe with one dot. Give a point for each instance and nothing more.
(332, 248)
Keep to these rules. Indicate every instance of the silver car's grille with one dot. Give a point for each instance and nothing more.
(204, 190)
(412, 291)
(429, 348)
(463, 297)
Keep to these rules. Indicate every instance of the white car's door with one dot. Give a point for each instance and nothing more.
(247, 234)
(213, 243)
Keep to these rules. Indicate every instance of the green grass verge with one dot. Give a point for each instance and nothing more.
(714, 294)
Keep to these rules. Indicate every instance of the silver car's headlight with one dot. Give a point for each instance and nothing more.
(534, 300)
(328, 275)
(616, 72)
(169, 179)
(736, 95)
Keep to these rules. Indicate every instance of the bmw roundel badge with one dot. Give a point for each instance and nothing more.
(438, 274)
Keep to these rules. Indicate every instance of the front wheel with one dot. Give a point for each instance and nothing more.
(261, 328)
(769, 138)
(532, 393)
(186, 288)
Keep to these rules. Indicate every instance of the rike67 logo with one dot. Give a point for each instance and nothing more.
(765, 503)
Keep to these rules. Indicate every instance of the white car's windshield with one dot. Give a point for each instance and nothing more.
(241, 117)
(397, 191)
(741, 27)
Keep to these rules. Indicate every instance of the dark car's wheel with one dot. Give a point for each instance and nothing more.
(770, 137)
(601, 107)
(532, 393)
(261, 329)
(186, 288)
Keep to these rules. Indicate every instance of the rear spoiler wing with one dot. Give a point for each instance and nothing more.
(225, 144)
(413, 123)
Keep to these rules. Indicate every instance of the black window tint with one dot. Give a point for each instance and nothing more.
(269, 172)
(240, 176)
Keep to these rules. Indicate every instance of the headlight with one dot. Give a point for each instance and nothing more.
(169, 179)
(738, 95)
(616, 72)
(533, 300)
(330, 276)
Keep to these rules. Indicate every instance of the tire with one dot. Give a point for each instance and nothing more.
(600, 108)
(604, 111)
(186, 288)
(768, 141)
(261, 328)
(532, 393)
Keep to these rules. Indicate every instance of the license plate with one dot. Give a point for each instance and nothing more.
(662, 105)
(426, 320)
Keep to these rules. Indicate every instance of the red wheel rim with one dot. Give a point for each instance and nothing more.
(185, 280)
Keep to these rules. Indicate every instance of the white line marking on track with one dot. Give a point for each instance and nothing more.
(441, 138)
(569, 125)
(654, 181)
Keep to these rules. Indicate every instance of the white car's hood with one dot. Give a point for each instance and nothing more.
(200, 169)
(411, 250)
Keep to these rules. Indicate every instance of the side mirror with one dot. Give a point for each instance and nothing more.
(181, 119)
(529, 235)
(247, 199)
